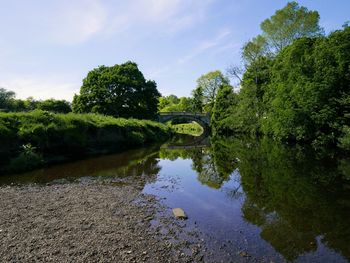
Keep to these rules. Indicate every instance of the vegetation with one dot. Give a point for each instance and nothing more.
(173, 103)
(9, 103)
(295, 86)
(119, 91)
(206, 91)
(46, 134)
(192, 128)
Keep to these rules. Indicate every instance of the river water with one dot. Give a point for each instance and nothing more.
(253, 200)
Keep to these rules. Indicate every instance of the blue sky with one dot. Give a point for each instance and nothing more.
(47, 47)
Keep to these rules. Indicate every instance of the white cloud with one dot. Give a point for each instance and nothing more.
(74, 22)
(206, 45)
(169, 16)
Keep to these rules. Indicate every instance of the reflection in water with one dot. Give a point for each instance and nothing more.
(274, 202)
(130, 163)
(298, 198)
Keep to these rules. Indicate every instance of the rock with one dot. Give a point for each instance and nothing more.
(244, 254)
(179, 213)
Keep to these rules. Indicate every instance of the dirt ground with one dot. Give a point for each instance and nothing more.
(93, 221)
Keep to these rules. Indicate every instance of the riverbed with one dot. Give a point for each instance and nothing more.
(247, 200)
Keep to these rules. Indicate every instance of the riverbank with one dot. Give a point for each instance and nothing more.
(30, 140)
(192, 128)
(91, 221)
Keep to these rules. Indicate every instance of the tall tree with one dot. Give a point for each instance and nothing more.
(209, 84)
(223, 110)
(120, 91)
(6, 98)
(254, 49)
(197, 101)
(290, 23)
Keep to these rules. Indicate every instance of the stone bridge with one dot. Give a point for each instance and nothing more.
(201, 118)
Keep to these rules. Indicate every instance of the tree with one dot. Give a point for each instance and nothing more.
(209, 84)
(120, 91)
(235, 72)
(197, 100)
(6, 99)
(57, 106)
(254, 49)
(309, 91)
(223, 111)
(173, 103)
(290, 23)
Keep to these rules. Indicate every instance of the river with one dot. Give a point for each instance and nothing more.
(253, 200)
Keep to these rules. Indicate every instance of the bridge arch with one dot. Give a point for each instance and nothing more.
(202, 119)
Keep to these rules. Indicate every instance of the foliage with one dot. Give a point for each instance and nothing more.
(197, 101)
(6, 98)
(290, 23)
(9, 103)
(301, 93)
(172, 103)
(192, 128)
(56, 106)
(221, 118)
(208, 86)
(28, 159)
(309, 88)
(254, 49)
(74, 134)
(119, 91)
(344, 139)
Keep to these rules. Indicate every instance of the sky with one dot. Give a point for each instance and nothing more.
(48, 47)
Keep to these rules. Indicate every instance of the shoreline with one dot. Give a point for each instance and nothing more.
(97, 220)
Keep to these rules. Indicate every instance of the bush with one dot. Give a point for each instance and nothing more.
(344, 140)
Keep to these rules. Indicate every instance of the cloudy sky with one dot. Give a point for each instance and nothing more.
(47, 47)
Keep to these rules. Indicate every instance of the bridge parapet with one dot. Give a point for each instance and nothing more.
(181, 113)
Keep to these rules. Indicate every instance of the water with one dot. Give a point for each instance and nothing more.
(252, 199)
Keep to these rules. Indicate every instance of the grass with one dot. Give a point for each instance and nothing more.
(47, 134)
(192, 128)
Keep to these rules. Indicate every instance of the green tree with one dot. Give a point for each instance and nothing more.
(197, 99)
(254, 49)
(309, 91)
(6, 99)
(173, 103)
(57, 106)
(120, 91)
(223, 111)
(209, 84)
(290, 23)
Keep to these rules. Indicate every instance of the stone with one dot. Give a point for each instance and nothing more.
(179, 213)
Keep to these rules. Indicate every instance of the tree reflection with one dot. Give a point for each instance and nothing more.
(293, 194)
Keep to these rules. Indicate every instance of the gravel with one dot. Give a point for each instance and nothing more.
(92, 221)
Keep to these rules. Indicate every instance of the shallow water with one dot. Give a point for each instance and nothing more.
(254, 200)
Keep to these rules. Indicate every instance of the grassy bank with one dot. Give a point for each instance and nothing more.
(192, 128)
(29, 140)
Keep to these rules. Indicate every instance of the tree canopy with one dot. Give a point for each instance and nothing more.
(290, 23)
(120, 91)
(207, 89)
(6, 97)
(173, 103)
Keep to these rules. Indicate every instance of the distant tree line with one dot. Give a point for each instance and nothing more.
(9, 103)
